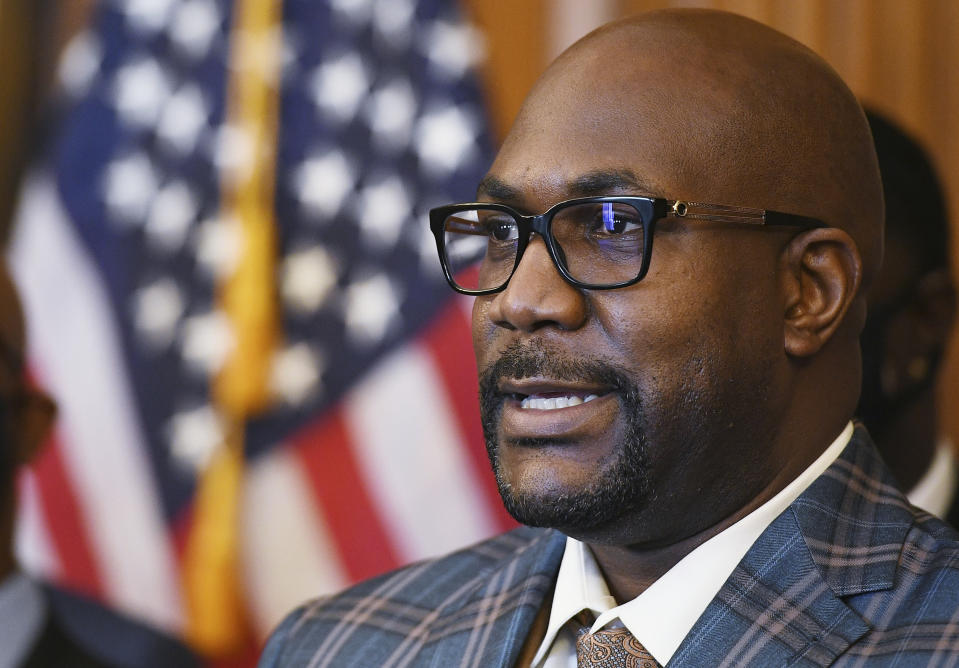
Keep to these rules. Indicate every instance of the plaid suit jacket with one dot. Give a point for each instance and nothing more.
(850, 574)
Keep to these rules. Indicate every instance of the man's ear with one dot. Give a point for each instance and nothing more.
(821, 271)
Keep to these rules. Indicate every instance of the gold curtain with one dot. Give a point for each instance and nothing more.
(899, 56)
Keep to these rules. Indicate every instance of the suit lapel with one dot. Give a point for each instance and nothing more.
(783, 604)
(499, 611)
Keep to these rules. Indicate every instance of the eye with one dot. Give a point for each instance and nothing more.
(613, 219)
(501, 228)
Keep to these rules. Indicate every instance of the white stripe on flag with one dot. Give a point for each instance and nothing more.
(288, 555)
(465, 304)
(32, 539)
(78, 353)
(411, 452)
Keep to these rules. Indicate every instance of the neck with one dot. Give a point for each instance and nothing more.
(630, 569)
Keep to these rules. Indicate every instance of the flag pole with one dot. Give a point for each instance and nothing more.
(248, 300)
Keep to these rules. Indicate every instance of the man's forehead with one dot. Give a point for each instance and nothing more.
(611, 181)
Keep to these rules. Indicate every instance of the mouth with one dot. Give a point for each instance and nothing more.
(538, 412)
(533, 399)
(546, 395)
(552, 401)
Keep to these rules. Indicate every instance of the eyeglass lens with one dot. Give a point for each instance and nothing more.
(599, 243)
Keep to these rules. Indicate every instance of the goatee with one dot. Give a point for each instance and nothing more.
(619, 488)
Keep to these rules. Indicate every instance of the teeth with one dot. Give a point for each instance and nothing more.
(552, 403)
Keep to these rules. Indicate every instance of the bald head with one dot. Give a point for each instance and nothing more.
(730, 110)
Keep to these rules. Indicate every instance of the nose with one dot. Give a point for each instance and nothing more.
(538, 296)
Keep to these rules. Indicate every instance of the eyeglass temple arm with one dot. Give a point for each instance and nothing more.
(454, 224)
(723, 213)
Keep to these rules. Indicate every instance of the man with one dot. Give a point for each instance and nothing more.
(42, 626)
(685, 436)
(911, 312)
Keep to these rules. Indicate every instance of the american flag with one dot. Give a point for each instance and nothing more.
(370, 454)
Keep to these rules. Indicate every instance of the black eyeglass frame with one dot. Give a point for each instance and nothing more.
(651, 210)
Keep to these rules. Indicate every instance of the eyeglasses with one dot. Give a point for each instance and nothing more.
(597, 243)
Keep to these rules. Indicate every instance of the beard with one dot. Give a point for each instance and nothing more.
(619, 488)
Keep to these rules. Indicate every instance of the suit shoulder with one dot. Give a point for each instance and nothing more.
(931, 548)
(433, 578)
(914, 621)
(111, 637)
(382, 611)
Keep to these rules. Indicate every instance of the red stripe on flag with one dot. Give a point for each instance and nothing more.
(447, 340)
(324, 448)
(61, 511)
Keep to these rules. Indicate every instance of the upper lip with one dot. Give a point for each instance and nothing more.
(538, 385)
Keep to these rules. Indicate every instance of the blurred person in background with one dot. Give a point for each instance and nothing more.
(42, 626)
(910, 317)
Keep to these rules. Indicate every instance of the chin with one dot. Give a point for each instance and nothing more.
(619, 490)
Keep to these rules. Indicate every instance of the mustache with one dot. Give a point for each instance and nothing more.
(526, 360)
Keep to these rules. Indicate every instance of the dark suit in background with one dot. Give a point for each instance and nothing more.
(77, 632)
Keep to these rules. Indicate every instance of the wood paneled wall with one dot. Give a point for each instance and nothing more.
(899, 56)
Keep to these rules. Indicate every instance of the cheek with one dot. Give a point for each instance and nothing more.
(481, 330)
(687, 315)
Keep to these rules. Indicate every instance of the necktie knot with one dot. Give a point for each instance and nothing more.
(612, 648)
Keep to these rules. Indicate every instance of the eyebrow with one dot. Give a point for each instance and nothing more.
(591, 184)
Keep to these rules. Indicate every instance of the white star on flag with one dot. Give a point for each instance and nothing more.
(339, 86)
(140, 90)
(129, 186)
(207, 341)
(308, 278)
(384, 207)
(445, 139)
(81, 60)
(218, 246)
(453, 48)
(390, 112)
(323, 182)
(173, 211)
(195, 435)
(371, 306)
(355, 11)
(194, 25)
(183, 118)
(156, 311)
(147, 15)
(393, 19)
(233, 152)
(296, 372)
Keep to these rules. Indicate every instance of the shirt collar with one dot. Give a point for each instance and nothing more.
(23, 610)
(935, 490)
(662, 615)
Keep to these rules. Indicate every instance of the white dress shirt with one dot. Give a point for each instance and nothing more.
(936, 489)
(22, 613)
(662, 615)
